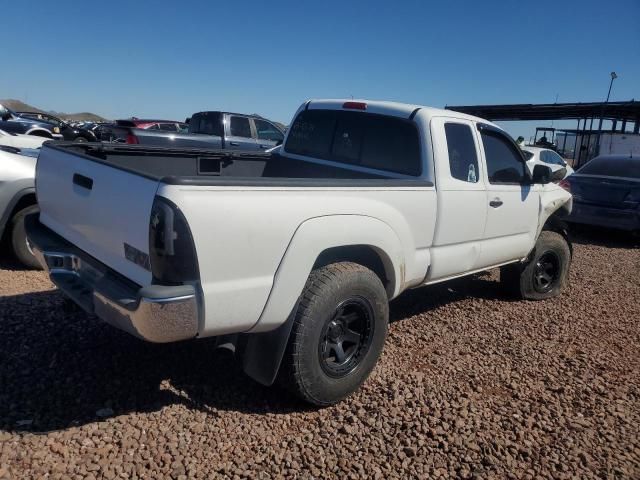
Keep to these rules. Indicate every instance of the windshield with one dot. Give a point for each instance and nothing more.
(613, 167)
(40, 117)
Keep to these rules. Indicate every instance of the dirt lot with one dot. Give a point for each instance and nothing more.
(471, 384)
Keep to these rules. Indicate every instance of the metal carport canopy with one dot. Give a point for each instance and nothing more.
(629, 111)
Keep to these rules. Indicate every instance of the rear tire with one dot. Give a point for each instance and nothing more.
(19, 243)
(545, 274)
(338, 333)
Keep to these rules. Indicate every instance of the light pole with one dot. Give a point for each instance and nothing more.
(613, 77)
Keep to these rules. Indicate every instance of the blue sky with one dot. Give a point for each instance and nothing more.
(170, 58)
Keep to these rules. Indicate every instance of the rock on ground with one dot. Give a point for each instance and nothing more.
(471, 384)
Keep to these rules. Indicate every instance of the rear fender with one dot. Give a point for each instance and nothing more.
(312, 238)
(267, 340)
(21, 199)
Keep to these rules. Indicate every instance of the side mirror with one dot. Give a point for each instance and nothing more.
(541, 174)
(558, 175)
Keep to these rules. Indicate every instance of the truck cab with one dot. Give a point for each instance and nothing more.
(238, 131)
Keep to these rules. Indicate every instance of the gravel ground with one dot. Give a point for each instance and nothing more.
(470, 384)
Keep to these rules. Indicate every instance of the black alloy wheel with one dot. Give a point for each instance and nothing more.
(346, 337)
(547, 272)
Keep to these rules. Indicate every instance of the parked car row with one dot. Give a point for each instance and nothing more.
(68, 132)
(210, 129)
(12, 122)
(315, 230)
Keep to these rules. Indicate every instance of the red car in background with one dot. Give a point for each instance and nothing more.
(146, 124)
(124, 131)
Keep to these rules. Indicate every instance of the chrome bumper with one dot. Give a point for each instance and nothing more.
(156, 313)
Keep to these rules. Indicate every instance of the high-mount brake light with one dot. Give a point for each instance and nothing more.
(355, 105)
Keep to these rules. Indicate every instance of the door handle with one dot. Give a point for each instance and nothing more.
(82, 181)
(264, 146)
(234, 144)
(495, 203)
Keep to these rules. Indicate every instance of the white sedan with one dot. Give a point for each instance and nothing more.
(28, 145)
(21, 141)
(544, 156)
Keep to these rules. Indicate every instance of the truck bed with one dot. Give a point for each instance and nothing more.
(100, 197)
(221, 167)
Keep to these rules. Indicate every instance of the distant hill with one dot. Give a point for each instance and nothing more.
(19, 106)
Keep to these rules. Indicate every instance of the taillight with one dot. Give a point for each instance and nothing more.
(132, 139)
(565, 184)
(172, 252)
(355, 105)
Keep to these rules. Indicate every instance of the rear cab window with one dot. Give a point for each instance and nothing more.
(367, 140)
(206, 123)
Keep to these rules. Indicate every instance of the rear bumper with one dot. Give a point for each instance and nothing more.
(156, 313)
(604, 217)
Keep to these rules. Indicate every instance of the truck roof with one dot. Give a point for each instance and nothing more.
(396, 109)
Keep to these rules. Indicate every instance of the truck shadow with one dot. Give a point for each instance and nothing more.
(61, 368)
(7, 262)
(483, 285)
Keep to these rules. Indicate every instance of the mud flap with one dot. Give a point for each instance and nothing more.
(264, 351)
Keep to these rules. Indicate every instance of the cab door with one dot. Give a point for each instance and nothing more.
(513, 203)
(462, 208)
(238, 134)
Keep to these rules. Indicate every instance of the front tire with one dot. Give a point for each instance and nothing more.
(19, 242)
(338, 333)
(545, 273)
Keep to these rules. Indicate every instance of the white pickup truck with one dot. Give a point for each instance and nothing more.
(293, 256)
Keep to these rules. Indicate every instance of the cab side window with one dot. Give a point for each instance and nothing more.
(505, 165)
(463, 158)
(239, 127)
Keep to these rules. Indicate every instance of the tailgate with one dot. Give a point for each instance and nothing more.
(98, 208)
